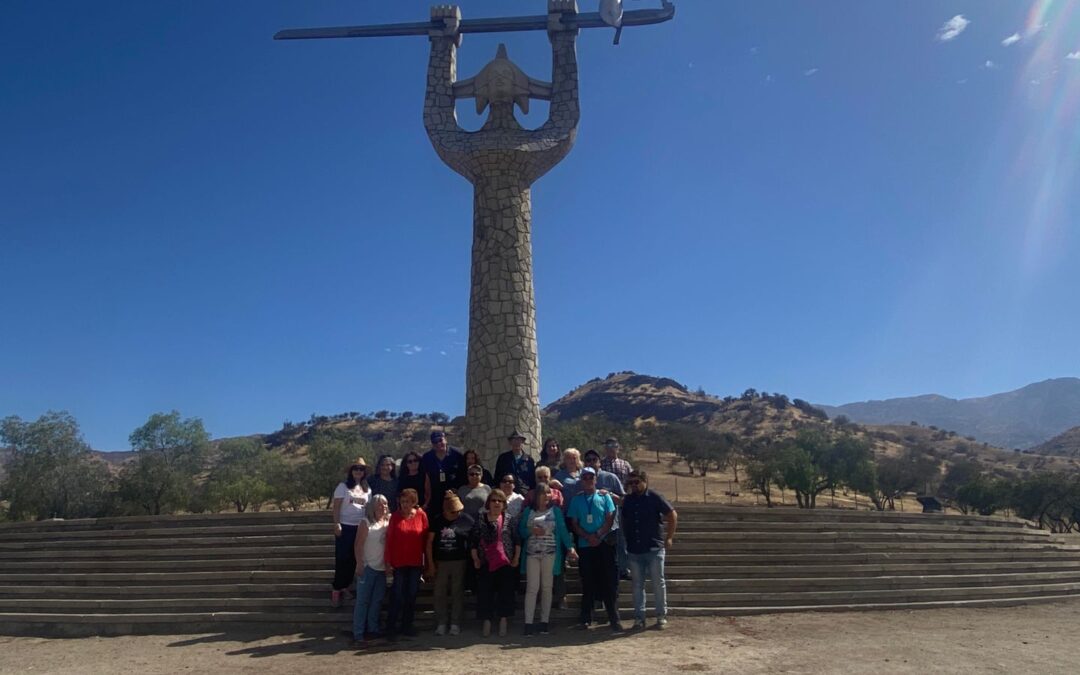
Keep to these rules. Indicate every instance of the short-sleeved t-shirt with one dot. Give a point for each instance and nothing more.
(451, 537)
(445, 474)
(353, 503)
(642, 521)
(590, 512)
(541, 544)
(473, 498)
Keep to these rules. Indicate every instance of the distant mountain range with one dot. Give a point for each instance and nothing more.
(1022, 418)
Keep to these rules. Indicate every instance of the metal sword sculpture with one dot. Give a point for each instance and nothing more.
(502, 160)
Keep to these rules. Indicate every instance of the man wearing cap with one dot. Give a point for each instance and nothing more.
(516, 462)
(445, 468)
(613, 463)
(609, 482)
(592, 519)
(447, 551)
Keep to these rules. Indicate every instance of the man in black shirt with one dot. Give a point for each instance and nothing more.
(644, 516)
(516, 462)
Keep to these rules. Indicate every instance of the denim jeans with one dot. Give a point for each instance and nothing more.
(653, 563)
(370, 589)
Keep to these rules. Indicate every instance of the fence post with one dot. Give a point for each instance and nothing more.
(676, 489)
(731, 494)
(704, 495)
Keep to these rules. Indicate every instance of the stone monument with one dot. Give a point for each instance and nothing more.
(502, 160)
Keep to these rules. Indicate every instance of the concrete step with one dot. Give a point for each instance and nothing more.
(757, 571)
(425, 602)
(118, 537)
(735, 513)
(188, 520)
(329, 623)
(704, 585)
(675, 559)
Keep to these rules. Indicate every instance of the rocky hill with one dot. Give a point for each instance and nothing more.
(1017, 419)
(1062, 445)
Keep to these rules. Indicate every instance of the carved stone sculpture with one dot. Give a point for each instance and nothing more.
(502, 160)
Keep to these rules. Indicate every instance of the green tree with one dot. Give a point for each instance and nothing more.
(170, 452)
(242, 474)
(329, 453)
(984, 495)
(51, 472)
(894, 476)
(818, 460)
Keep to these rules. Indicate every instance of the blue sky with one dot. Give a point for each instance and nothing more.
(837, 200)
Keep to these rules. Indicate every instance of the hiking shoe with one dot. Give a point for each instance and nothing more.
(661, 623)
(441, 630)
(617, 627)
(543, 628)
(528, 630)
(639, 624)
(455, 629)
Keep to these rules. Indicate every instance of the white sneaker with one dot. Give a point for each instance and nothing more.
(441, 630)
(455, 629)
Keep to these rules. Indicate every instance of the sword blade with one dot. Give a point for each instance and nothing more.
(637, 17)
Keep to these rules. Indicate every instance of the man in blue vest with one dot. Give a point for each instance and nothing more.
(445, 468)
(592, 519)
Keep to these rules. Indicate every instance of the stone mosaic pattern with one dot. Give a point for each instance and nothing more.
(502, 160)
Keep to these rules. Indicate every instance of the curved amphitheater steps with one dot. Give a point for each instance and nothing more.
(270, 571)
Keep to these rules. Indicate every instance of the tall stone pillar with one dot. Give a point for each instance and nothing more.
(502, 160)
(502, 378)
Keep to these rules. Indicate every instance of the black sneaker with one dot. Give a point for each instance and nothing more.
(543, 628)
(528, 630)
(616, 627)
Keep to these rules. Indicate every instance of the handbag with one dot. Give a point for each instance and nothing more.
(494, 552)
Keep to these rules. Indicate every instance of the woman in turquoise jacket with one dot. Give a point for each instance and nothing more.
(544, 538)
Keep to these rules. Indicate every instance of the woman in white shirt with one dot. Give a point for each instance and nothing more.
(514, 500)
(350, 499)
(370, 550)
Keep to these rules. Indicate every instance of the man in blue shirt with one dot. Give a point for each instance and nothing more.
(643, 514)
(608, 482)
(592, 519)
(445, 468)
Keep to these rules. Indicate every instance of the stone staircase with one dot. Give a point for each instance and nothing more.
(271, 571)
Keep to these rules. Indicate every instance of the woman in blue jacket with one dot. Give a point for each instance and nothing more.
(545, 538)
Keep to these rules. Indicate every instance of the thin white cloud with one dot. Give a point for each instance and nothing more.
(810, 72)
(989, 65)
(409, 350)
(452, 331)
(1073, 56)
(768, 79)
(754, 51)
(1011, 40)
(442, 353)
(963, 81)
(1035, 30)
(952, 28)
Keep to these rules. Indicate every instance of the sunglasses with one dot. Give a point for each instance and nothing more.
(359, 468)
(412, 461)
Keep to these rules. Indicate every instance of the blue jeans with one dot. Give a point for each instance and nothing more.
(653, 563)
(621, 560)
(370, 589)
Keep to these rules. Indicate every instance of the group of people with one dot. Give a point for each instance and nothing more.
(442, 517)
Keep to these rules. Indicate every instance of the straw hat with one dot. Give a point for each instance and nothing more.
(452, 503)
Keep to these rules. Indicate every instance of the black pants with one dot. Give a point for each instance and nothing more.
(344, 558)
(495, 592)
(403, 600)
(599, 581)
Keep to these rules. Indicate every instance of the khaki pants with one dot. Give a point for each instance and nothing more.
(449, 585)
(538, 580)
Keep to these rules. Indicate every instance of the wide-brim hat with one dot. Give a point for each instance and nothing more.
(359, 461)
(515, 434)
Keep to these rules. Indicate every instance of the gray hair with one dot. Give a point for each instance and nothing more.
(541, 489)
(369, 510)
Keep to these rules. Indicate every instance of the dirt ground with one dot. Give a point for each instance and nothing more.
(1033, 639)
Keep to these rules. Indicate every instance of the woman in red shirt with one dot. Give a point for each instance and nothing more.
(406, 536)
